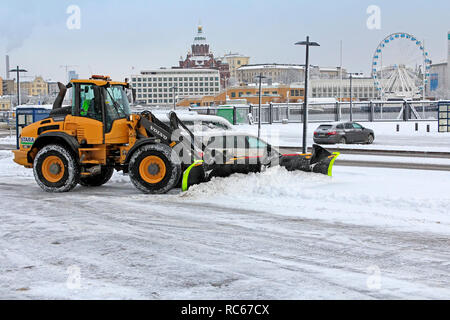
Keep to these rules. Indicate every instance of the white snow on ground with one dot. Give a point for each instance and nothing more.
(8, 140)
(274, 235)
(405, 200)
(386, 136)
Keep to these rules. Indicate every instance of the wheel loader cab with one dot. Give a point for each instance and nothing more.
(100, 109)
(104, 102)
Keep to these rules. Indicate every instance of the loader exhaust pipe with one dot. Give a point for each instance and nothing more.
(60, 98)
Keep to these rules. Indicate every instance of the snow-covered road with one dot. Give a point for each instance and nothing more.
(365, 233)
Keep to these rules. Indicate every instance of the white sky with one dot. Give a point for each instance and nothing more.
(116, 36)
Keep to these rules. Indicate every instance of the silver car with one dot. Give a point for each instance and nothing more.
(342, 133)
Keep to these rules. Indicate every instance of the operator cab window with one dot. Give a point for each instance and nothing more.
(116, 105)
(88, 107)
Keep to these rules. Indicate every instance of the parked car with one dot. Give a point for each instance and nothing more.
(199, 123)
(239, 145)
(343, 132)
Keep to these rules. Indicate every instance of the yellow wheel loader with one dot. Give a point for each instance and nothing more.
(85, 142)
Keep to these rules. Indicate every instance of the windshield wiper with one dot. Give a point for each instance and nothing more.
(115, 103)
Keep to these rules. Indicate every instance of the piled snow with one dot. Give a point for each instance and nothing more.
(402, 199)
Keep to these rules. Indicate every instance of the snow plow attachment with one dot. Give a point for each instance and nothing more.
(319, 161)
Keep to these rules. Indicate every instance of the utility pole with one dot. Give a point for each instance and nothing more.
(351, 98)
(18, 71)
(259, 109)
(351, 94)
(306, 43)
(174, 89)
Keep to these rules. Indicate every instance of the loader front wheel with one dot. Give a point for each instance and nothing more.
(154, 169)
(56, 169)
(98, 179)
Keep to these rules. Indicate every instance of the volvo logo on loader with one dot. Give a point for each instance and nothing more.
(158, 133)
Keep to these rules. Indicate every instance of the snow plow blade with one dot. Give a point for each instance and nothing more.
(194, 174)
(319, 161)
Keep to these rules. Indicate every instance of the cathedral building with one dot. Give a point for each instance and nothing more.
(200, 57)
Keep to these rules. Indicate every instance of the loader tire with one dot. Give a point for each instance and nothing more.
(154, 168)
(56, 169)
(98, 179)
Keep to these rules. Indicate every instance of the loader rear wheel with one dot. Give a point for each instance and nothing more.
(98, 179)
(56, 169)
(154, 168)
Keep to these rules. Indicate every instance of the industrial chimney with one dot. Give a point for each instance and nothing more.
(7, 67)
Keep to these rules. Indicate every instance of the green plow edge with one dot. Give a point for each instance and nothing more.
(184, 184)
(330, 167)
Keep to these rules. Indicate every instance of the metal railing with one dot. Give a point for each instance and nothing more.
(328, 112)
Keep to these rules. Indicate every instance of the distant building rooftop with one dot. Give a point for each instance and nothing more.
(178, 70)
(271, 65)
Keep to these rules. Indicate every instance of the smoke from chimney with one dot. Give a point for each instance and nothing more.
(7, 67)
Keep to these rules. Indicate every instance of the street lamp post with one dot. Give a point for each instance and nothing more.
(18, 81)
(174, 89)
(351, 94)
(260, 77)
(306, 43)
(351, 98)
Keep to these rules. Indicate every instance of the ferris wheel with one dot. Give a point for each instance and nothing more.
(401, 67)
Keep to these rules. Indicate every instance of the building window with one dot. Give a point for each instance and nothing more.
(233, 94)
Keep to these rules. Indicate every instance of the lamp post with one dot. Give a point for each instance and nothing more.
(306, 43)
(351, 98)
(260, 77)
(18, 81)
(174, 89)
(351, 95)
